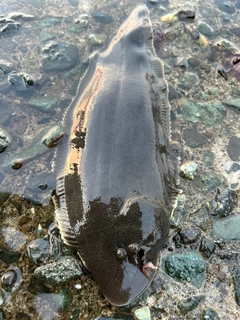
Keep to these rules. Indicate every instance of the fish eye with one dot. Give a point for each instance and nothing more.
(133, 248)
(121, 253)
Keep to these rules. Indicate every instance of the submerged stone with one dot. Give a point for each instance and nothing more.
(102, 17)
(233, 101)
(207, 181)
(233, 148)
(20, 81)
(188, 171)
(236, 281)
(59, 56)
(46, 104)
(189, 266)
(225, 6)
(211, 114)
(38, 250)
(207, 247)
(5, 140)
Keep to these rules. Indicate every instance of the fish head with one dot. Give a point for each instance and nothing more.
(125, 246)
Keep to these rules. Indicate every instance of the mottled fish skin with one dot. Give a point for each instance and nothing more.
(116, 178)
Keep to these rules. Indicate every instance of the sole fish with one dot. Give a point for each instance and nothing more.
(116, 184)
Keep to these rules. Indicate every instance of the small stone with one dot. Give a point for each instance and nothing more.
(50, 22)
(53, 136)
(59, 272)
(189, 304)
(218, 272)
(20, 81)
(224, 203)
(5, 140)
(225, 6)
(97, 40)
(6, 67)
(190, 235)
(102, 17)
(46, 104)
(207, 181)
(228, 228)
(10, 27)
(188, 171)
(233, 148)
(236, 281)
(83, 20)
(205, 29)
(208, 158)
(207, 247)
(13, 238)
(38, 250)
(225, 44)
(209, 314)
(143, 313)
(233, 101)
(189, 80)
(193, 138)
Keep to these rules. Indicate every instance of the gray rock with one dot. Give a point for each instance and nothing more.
(59, 272)
(38, 250)
(20, 81)
(208, 158)
(223, 203)
(233, 148)
(189, 80)
(193, 138)
(233, 101)
(50, 22)
(228, 228)
(225, 6)
(102, 17)
(189, 266)
(190, 235)
(5, 66)
(207, 181)
(59, 56)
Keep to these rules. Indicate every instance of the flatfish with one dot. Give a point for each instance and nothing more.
(116, 174)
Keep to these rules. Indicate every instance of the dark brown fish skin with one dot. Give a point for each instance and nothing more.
(115, 185)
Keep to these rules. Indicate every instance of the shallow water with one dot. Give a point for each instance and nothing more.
(37, 84)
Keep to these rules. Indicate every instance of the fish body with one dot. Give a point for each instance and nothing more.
(116, 176)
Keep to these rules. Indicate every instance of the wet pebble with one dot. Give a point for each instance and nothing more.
(189, 266)
(207, 247)
(44, 103)
(225, 6)
(97, 40)
(205, 29)
(9, 28)
(189, 80)
(52, 137)
(209, 314)
(189, 304)
(6, 66)
(59, 56)
(83, 21)
(59, 272)
(233, 148)
(208, 158)
(50, 22)
(20, 81)
(102, 17)
(223, 203)
(211, 114)
(225, 44)
(13, 238)
(228, 228)
(193, 138)
(143, 313)
(229, 255)
(20, 16)
(236, 281)
(12, 279)
(5, 140)
(188, 170)
(38, 250)
(233, 101)
(190, 235)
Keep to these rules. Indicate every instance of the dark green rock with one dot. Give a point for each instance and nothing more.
(189, 304)
(211, 114)
(193, 138)
(207, 181)
(189, 266)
